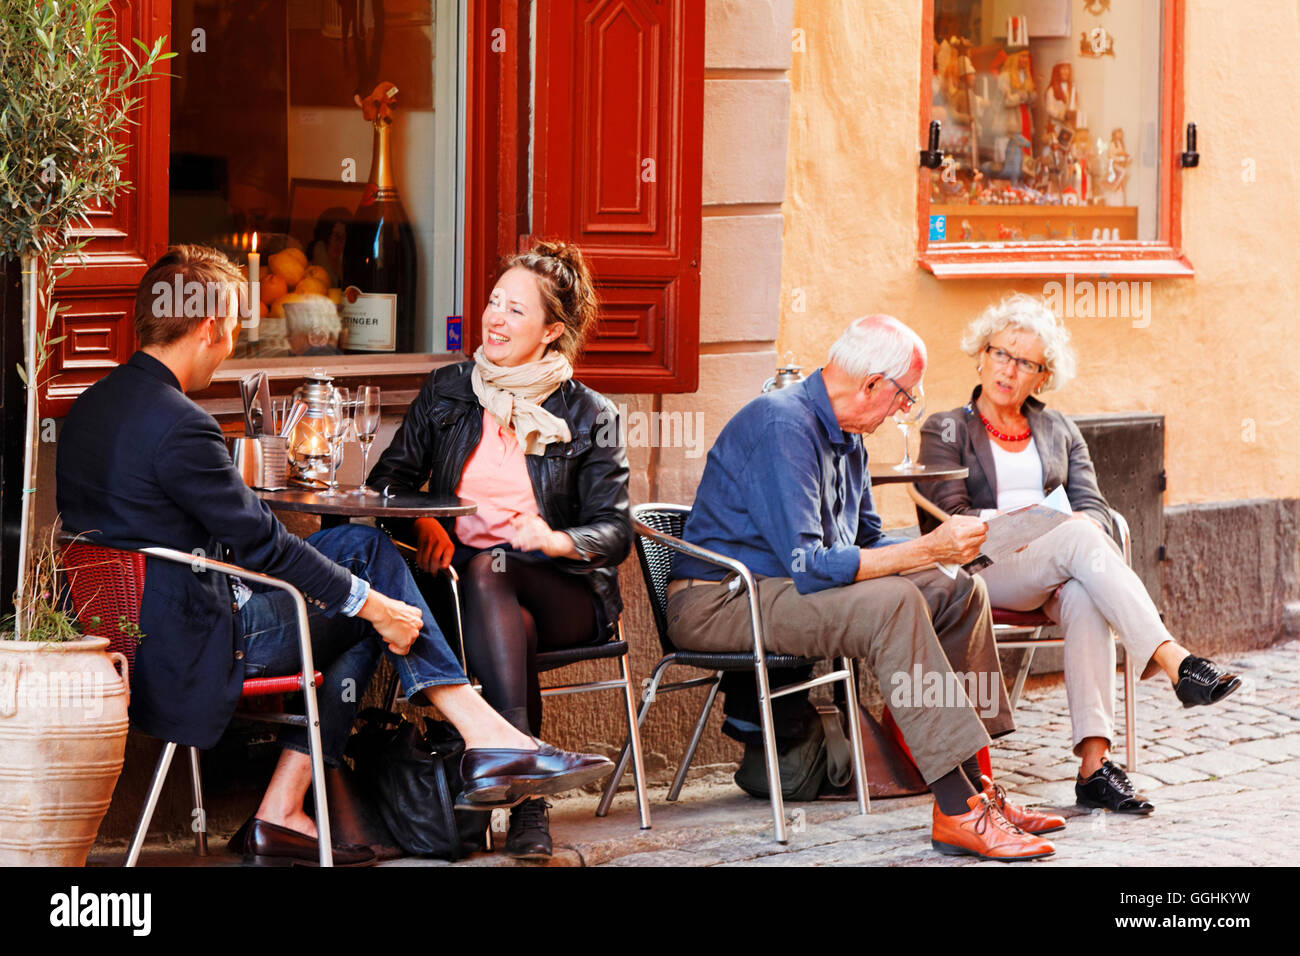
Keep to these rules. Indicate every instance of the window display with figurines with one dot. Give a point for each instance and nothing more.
(1041, 143)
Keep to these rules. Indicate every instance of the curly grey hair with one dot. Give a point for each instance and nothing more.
(1032, 315)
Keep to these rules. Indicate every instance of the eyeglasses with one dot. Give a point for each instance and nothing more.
(1006, 358)
(908, 399)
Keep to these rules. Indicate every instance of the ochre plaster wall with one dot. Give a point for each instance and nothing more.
(1219, 358)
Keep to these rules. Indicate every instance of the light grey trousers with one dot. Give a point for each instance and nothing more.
(1098, 593)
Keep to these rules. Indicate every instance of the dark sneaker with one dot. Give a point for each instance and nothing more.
(1201, 681)
(1110, 788)
(530, 831)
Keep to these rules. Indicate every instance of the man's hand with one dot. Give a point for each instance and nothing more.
(434, 545)
(958, 539)
(398, 623)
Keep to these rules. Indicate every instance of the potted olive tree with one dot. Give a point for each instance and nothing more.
(68, 89)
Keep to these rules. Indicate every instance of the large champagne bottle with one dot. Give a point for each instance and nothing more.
(379, 265)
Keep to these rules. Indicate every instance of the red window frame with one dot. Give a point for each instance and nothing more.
(1161, 258)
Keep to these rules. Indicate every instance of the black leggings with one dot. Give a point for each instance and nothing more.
(514, 606)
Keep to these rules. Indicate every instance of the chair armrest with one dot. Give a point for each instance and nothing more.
(204, 563)
(721, 560)
(1125, 538)
(694, 550)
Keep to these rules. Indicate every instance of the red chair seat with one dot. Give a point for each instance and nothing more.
(1021, 618)
(258, 686)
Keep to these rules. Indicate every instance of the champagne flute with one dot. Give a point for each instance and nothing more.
(334, 420)
(905, 418)
(367, 423)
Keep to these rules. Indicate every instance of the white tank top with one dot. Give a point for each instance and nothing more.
(1019, 476)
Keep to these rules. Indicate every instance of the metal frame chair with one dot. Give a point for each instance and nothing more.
(658, 527)
(109, 582)
(553, 660)
(1008, 625)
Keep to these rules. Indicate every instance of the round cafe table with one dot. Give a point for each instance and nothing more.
(886, 474)
(338, 509)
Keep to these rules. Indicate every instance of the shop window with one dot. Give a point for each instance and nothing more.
(353, 206)
(1059, 137)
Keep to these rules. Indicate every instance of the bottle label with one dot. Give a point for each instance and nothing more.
(369, 320)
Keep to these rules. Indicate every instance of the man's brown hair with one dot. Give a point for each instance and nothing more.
(161, 315)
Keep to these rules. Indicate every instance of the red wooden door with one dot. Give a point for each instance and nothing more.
(98, 296)
(616, 168)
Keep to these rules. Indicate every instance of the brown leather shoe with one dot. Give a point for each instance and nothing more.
(503, 776)
(268, 844)
(985, 833)
(1028, 820)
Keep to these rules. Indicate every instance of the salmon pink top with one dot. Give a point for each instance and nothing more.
(495, 477)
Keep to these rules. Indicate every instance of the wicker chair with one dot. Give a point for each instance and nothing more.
(659, 528)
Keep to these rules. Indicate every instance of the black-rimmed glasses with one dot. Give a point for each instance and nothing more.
(1006, 358)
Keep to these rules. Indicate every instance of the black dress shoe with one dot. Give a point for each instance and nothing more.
(530, 831)
(1109, 787)
(268, 844)
(1201, 681)
(501, 776)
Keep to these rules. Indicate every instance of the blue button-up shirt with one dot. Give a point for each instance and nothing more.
(786, 491)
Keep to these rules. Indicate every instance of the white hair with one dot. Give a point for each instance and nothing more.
(876, 345)
(1031, 315)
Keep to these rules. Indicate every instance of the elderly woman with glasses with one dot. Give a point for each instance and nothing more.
(1017, 452)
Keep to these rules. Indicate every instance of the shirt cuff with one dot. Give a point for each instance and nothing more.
(357, 597)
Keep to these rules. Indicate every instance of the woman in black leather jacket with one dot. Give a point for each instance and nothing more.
(542, 455)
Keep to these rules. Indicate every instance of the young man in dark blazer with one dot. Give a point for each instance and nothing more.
(140, 464)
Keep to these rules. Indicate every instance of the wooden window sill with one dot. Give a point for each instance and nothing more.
(1017, 260)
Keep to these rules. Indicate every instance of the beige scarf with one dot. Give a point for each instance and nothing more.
(514, 397)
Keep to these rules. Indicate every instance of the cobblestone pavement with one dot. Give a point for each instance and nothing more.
(1225, 781)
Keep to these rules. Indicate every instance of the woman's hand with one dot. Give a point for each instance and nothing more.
(434, 545)
(531, 533)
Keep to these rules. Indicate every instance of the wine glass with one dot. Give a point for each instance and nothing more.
(366, 420)
(334, 424)
(905, 418)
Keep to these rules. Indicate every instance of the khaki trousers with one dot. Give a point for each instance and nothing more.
(927, 638)
(1097, 593)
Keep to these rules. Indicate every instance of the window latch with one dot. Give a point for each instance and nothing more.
(1191, 157)
(932, 158)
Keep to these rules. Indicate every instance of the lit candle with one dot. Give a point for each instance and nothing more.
(254, 293)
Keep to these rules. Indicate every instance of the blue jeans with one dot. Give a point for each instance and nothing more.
(345, 649)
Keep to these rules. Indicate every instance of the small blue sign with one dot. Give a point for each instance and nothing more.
(453, 333)
(938, 228)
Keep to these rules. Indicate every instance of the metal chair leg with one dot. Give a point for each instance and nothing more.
(151, 802)
(855, 734)
(1131, 747)
(1023, 673)
(620, 766)
(634, 740)
(769, 753)
(199, 821)
(679, 780)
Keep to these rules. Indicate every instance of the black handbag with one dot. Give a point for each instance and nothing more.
(413, 778)
(822, 761)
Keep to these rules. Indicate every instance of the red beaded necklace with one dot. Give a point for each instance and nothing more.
(988, 425)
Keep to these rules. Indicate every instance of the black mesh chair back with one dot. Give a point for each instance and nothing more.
(657, 559)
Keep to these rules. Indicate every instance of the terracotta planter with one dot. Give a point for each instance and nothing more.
(63, 730)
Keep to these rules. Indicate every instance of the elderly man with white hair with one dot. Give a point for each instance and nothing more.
(786, 491)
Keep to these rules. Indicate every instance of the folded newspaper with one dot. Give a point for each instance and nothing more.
(1013, 531)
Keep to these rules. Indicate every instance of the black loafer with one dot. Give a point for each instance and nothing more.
(267, 844)
(1201, 681)
(530, 831)
(502, 777)
(1110, 788)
